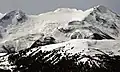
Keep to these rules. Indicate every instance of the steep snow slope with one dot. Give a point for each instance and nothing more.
(9, 20)
(21, 31)
(104, 20)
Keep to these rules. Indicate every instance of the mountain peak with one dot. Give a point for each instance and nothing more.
(14, 13)
(12, 17)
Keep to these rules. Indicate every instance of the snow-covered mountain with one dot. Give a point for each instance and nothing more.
(12, 17)
(61, 35)
(20, 31)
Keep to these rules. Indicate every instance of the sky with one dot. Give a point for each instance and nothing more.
(41, 6)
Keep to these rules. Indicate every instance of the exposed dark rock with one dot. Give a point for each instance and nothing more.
(6, 17)
(66, 29)
(100, 20)
(77, 35)
(44, 41)
(53, 61)
(100, 37)
(75, 23)
(102, 9)
(1, 36)
(9, 49)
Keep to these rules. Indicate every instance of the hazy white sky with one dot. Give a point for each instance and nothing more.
(40, 6)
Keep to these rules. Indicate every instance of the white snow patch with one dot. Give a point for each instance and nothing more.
(1, 15)
(78, 45)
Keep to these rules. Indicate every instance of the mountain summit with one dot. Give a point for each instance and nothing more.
(12, 17)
